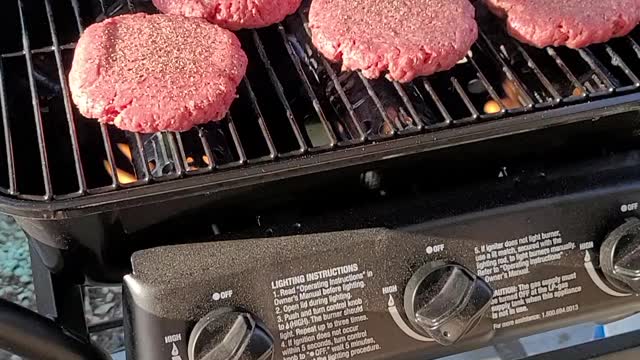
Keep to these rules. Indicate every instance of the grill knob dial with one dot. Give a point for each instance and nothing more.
(230, 334)
(620, 256)
(446, 301)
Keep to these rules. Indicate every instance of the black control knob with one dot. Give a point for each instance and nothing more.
(446, 301)
(620, 256)
(230, 334)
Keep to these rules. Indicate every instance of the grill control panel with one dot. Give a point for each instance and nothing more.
(423, 291)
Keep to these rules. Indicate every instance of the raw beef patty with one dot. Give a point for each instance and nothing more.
(407, 38)
(574, 23)
(149, 73)
(232, 14)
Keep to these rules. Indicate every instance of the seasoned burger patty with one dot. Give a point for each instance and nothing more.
(232, 14)
(407, 38)
(574, 23)
(149, 73)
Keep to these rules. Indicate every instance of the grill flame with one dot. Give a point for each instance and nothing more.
(492, 107)
(511, 100)
(125, 150)
(124, 177)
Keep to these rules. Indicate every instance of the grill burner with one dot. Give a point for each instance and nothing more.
(318, 107)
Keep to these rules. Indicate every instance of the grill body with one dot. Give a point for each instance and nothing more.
(307, 149)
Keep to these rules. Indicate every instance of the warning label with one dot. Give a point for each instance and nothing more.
(513, 258)
(516, 299)
(513, 304)
(321, 316)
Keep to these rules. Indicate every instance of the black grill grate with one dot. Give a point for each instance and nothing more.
(292, 104)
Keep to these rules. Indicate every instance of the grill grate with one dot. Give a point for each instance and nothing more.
(51, 152)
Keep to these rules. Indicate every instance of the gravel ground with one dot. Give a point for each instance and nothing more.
(15, 265)
(101, 303)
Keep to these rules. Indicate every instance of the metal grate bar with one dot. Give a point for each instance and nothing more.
(102, 6)
(143, 156)
(308, 88)
(567, 72)
(407, 102)
(106, 139)
(183, 154)
(339, 88)
(76, 12)
(242, 157)
(44, 162)
(616, 60)
(588, 56)
(179, 154)
(436, 100)
(487, 85)
(263, 126)
(523, 90)
(7, 134)
(378, 103)
(345, 100)
(280, 92)
(207, 149)
(543, 79)
(131, 6)
(474, 112)
(42, 50)
(71, 120)
(634, 45)
(176, 155)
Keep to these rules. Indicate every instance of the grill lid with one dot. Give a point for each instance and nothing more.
(296, 112)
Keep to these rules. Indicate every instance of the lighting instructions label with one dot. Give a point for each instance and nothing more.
(517, 257)
(321, 314)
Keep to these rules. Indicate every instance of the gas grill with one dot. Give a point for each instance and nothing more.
(313, 175)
